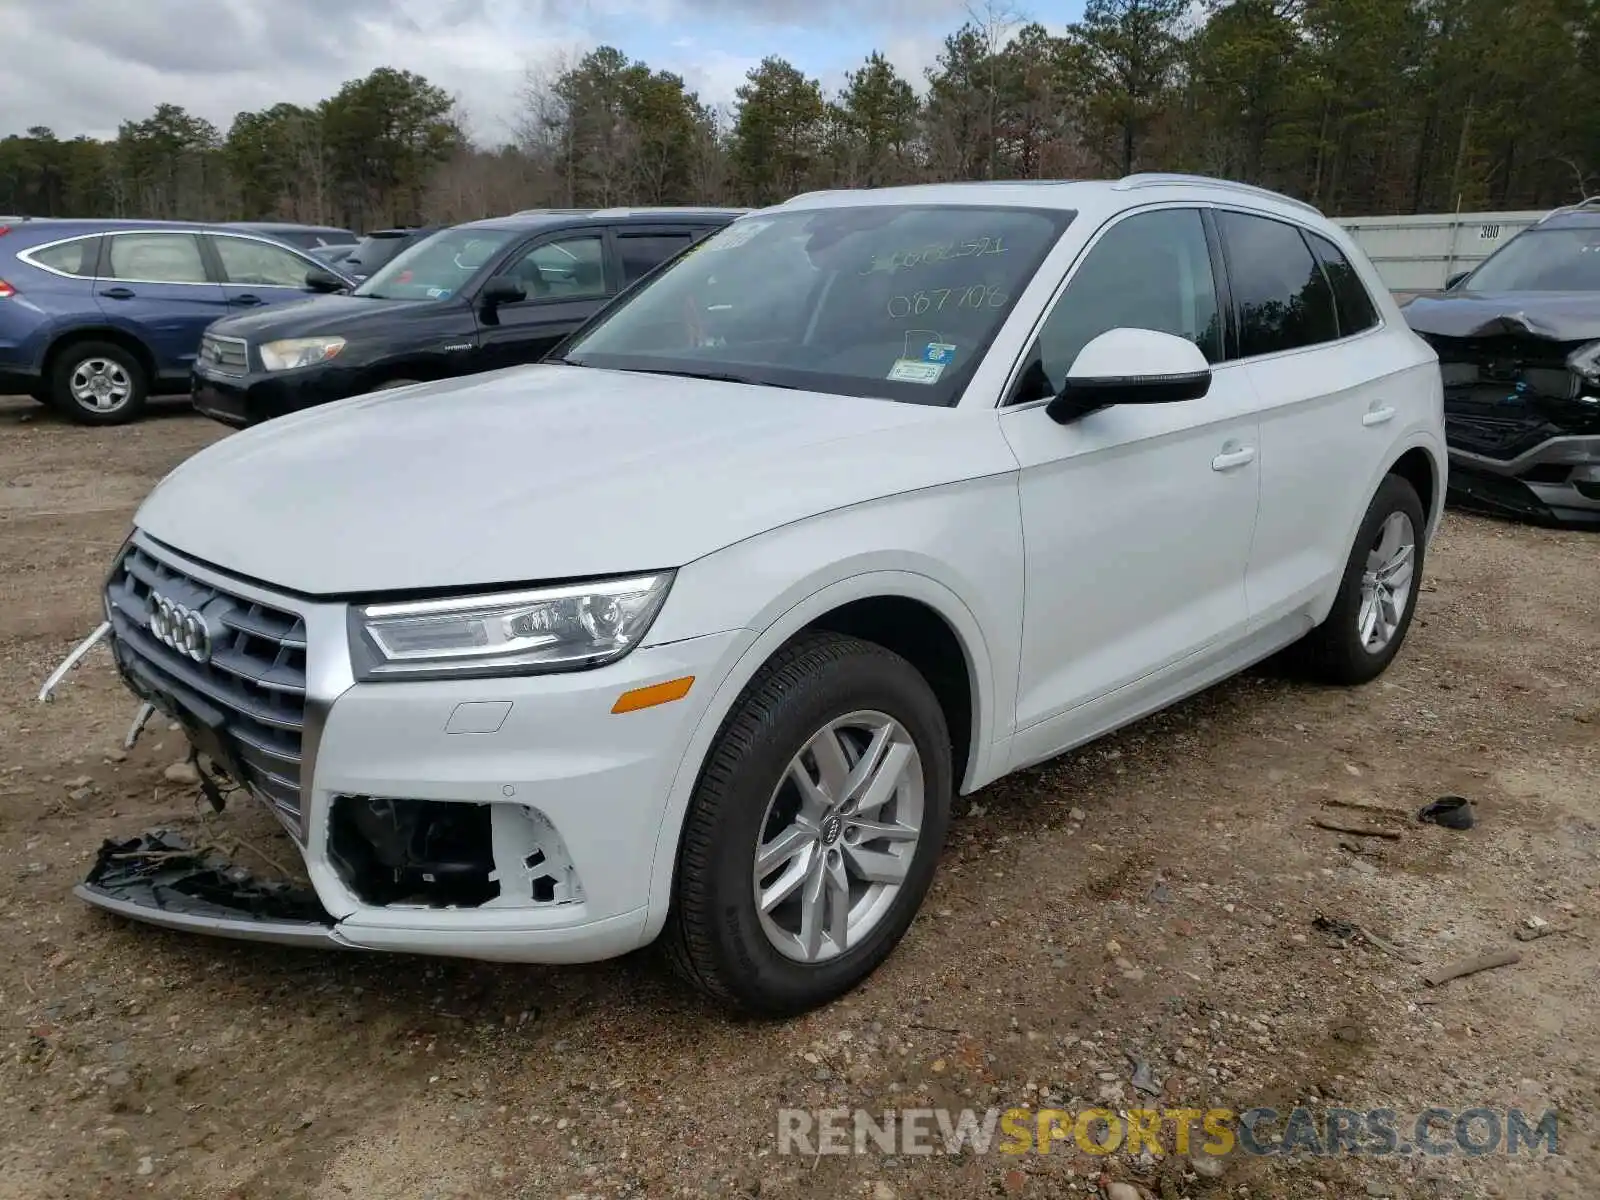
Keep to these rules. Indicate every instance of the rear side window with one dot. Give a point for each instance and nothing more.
(643, 253)
(156, 258)
(76, 257)
(1283, 299)
(1356, 310)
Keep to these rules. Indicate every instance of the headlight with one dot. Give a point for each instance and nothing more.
(1584, 362)
(564, 628)
(299, 352)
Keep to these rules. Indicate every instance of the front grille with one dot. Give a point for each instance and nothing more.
(225, 355)
(255, 675)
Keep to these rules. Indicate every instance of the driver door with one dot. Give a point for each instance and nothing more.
(1137, 518)
(565, 278)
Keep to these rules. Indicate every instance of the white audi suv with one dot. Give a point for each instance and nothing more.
(696, 631)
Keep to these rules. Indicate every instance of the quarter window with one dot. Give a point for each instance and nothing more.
(1149, 271)
(156, 258)
(1356, 310)
(257, 263)
(76, 257)
(1283, 298)
(569, 269)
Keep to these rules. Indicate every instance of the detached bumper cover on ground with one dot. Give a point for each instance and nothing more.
(160, 878)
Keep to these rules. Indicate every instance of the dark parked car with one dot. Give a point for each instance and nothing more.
(1518, 340)
(375, 250)
(471, 298)
(95, 316)
(305, 237)
(333, 255)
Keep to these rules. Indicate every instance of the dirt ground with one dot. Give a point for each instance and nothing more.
(1151, 896)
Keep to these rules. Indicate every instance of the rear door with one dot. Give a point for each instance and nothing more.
(155, 284)
(1325, 413)
(256, 273)
(565, 277)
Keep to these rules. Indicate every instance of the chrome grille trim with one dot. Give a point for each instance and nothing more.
(256, 676)
(225, 355)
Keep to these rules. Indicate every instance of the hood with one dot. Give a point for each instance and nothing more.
(1554, 316)
(310, 317)
(542, 473)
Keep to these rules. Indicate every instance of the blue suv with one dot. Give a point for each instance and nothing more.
(97, 316)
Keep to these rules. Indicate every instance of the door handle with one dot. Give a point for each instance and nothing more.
(247, 300)
(118, 293)
(1377, 416)
(1229, 459)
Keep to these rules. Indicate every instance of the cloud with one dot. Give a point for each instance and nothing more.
(89, 65)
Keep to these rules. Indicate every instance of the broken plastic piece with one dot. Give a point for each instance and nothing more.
(159, 870)
(1452, 812)
(47, 692)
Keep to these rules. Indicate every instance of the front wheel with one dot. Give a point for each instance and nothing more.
(813, 834)
(1378, 594)
(98, 383)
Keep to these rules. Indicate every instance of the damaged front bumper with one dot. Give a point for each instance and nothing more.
(515, 819)
(1557, 482)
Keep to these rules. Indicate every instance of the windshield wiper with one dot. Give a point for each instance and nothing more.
(713, 376)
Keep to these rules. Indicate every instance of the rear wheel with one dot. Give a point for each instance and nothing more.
(98, 383)
(815, 829)
(1378, 595)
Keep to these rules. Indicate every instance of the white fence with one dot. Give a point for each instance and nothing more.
(1418, 254)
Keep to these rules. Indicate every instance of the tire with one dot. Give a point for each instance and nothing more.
(72, 390)
(1336, 651)
(715, 936)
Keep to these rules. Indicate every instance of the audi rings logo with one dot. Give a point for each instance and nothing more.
(181, 628)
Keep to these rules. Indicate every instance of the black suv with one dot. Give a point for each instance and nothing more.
(471, 298)
(1518, 340)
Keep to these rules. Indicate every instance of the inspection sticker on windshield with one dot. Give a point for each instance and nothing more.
(911, 370)
(938, 352)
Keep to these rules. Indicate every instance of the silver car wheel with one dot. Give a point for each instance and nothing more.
(1386, 582)
(839, 836)
(100, 384)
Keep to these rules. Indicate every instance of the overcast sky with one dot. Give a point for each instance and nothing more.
(84, 66)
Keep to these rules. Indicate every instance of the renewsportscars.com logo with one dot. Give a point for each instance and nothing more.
(1215, 1132)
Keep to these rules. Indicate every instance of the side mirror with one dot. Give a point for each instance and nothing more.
(325, 282)
(1450, 284)
(1131, 366)
(502, 290)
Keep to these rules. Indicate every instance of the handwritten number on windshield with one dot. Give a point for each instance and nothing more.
(904, 260)
(920, 304)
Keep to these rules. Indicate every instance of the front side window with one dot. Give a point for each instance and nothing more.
(156, 258)
(568, 269)
(1542, 260)
(1356, 310)
(1149, 271)
(77, 257)
(437, 267)
(893, 301)
(1283, 299)
(259, 264)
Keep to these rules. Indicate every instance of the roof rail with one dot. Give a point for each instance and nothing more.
(1164, 179)
(1585, 205)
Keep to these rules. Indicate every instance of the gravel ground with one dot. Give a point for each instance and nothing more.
(1149, 900)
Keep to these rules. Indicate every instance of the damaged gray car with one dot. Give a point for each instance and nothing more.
(1518, 340)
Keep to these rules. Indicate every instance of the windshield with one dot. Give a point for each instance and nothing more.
(1542, 260)
(869, 300)
(436, 267)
